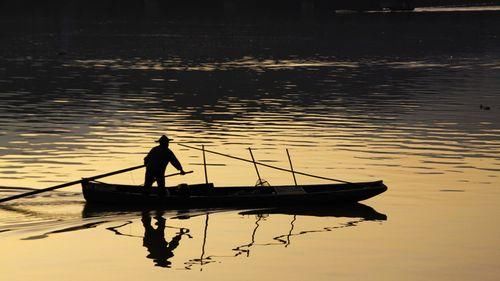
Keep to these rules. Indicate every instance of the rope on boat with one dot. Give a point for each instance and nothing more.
(263, 164)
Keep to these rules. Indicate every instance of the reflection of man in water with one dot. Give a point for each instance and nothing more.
(160, 251)
(156, 162)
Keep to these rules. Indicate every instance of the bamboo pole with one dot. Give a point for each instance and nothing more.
(291, 167)
(205, 164)
(176, 174)
(255, 165)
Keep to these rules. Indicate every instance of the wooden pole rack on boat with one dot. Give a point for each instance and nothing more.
(265, 165)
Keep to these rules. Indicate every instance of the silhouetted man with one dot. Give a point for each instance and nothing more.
(156, 162)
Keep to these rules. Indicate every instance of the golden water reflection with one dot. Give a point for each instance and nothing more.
(161, 249)
(192, 240)
(389, 101)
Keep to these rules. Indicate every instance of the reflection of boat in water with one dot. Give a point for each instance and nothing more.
(100, 210)
(356, 210)
(161, 251)
(206, 195)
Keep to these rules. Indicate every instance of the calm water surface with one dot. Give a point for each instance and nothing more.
(399, 101)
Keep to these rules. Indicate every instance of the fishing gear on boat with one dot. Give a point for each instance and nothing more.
(265, 165)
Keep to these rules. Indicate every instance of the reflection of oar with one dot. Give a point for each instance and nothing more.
(115, 230)
(68, 184)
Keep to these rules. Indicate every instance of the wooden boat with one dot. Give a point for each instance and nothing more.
(206, 195)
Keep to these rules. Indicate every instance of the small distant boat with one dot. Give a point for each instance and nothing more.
(207, 196)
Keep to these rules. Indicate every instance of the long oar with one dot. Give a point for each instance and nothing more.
(266, 165)
(176, 174)
(68, 184)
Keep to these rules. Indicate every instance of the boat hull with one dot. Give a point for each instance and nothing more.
(206, 196)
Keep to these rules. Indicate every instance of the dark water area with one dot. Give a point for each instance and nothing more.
(411, 98)
(386, 81)
(220, 10)
(345, 35)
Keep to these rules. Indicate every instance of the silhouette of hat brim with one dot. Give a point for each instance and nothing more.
(164, 138)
